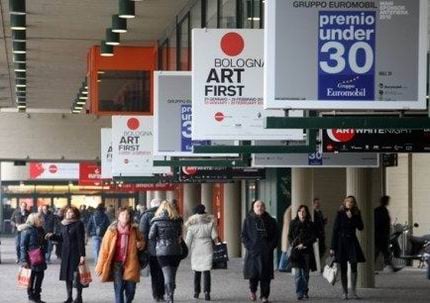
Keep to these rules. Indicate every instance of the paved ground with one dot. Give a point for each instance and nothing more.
(228, 285)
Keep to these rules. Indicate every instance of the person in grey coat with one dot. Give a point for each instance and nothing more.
(201, 232)
(157, 279)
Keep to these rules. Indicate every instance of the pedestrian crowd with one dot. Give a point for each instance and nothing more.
(157, 237)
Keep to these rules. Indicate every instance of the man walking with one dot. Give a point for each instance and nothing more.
(48, 226)
(320, 222)
(19, 216)
(98, 223)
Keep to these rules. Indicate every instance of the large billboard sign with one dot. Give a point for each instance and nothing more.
(106, 153)
(227, 86)
(53, 171)
(346, 54)
(173, 116)
(132, 147)
(376, 140)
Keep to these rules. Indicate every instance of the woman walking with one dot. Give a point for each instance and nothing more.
(166, 231)
(260, 238)
(118, 257)
(201, 232)
(301, 237)
(344, 246)
(33, 243)
(72, 238)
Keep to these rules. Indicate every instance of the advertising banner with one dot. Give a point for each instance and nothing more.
(376, 140)
(106, 153)
(317, 160)
(90, 174)
(227, 86)
(173, 116)
(220, 174)
(132, 147)
(134, 187)
(53, 171)
(345, 54)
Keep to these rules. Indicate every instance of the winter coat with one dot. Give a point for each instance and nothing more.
(19, 218)
(303, 233)
(144, 227)
(72, 238)
(201, 232)
(285, 228)
(167, 234)
(106, 258)
(344, 240)
(260, 238)
(32, 238)
(98, 220)
(382, 227)
(49, 222)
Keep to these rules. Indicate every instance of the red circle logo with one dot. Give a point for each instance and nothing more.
(189, 170)
(133, 123)
(126, 161)
(219, 116)
(53, 168)
(329, 147)
(232, 44)
(341, 135)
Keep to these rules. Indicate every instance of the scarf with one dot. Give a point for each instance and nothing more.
(122, 242)
(68, 221)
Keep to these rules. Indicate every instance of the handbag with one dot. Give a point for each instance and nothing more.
(84, 274)
(220, 256)
(35, 257)
(184, 249)
(295, 256)
(24, 275)
(330, 271)
(143, 258)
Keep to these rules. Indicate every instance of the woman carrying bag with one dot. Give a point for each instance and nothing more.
(33, 247)
(345, 246)
(201, 232)
(302, 236)
(72, 237)
(118, 257)
(166, 231)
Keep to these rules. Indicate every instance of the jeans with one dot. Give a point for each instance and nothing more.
(264, 287)
(35, 284)
(206, 281)
(121, 286)
(18, 245)
(49, 251)
(97, 241)
(157, 279)
(301, 278)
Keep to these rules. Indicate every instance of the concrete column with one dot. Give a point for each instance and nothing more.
(170, 195)
(301, 188)
(206, 197)
(358, 184)
(160, 195)
(191, 198)
(232, 216)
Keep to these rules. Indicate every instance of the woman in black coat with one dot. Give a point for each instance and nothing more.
(260, 238)
(345, 246)
(301, 236)
(32, 238)
(72, 237)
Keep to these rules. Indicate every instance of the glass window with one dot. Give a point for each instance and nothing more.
(212, 13)
(164, 53)
(184, 44)
(228, 14)
(171, 61)
(252, 13)
(124, 91)
(196, 15)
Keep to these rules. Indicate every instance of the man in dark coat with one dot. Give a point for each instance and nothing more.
(98, 223)
(320, 222)
(260, 238)
(382, 231)
(48, 227)
(19, 216)
(157, 279)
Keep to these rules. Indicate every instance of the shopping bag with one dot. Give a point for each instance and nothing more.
(24, 277)
(84, 274)
(330, 271)
(283, 263)
(220, 256)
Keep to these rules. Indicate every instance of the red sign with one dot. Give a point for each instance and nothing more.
(53, 171)
(141, 187)
(90, 174)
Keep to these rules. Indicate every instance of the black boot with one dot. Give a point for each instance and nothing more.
(207, 296)
(30, 294)
(69, 287)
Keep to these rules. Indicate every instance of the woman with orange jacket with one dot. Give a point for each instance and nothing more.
(118, 259)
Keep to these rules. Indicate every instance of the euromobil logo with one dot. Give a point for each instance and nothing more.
(53, 168)
(340, 135)
(133, 123)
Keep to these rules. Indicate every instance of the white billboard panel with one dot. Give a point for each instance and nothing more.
(173, 117)
(227, 86)
(345, 54)
(106, 153)
(132, 147)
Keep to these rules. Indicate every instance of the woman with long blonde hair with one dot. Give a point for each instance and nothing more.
(166, 231)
